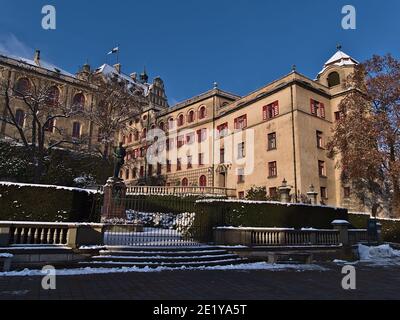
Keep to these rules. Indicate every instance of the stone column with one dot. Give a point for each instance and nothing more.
(114, 200)
(343, 227)
(312, 195)
(284, 191)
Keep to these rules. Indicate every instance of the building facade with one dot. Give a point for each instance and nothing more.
(216, 139)
(221, 140)
(63, 89)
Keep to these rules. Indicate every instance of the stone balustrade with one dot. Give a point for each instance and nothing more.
(253, 237)
(41, 233)
(181, 190)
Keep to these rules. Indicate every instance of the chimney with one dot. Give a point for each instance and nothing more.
(118, 67)
(36, 59)
(133, 76)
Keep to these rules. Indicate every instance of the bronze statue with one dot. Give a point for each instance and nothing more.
(119, 159)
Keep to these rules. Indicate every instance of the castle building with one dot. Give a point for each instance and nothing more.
(63, 89)
(216, 139)
(221, 140)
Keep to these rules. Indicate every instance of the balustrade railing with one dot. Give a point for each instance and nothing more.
(181, 190)
(276, 237)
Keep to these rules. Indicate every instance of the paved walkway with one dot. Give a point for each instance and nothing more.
(372, 283)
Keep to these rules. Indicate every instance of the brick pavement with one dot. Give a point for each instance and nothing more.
(372, 283)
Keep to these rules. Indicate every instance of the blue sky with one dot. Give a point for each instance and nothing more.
(241, 44)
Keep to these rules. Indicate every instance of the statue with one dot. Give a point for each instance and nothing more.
(119, 159)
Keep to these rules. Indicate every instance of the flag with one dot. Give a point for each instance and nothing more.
(115, 50)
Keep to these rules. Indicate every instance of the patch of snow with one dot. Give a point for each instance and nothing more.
(341, 222)
(21, 185)
(382, 252)
(6, 255)
(263, 202)
(238, 267)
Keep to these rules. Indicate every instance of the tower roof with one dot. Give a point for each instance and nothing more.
(339, 59)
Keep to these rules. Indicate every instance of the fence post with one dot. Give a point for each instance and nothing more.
(343, 227)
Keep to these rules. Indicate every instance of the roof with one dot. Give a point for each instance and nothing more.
(108, 70)
(339, 59)
(43, 64)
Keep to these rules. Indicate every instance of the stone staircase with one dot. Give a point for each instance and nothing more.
(171, 257)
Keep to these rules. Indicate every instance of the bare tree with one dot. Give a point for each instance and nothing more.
(35, 120)
(367, 137)
(118, 103)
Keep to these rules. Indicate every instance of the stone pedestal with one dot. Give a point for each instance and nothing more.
(312, 196)
(343, 227)
(284, 192)
(114, 200)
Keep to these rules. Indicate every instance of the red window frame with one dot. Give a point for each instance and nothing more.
(241, 120)
(271, 110)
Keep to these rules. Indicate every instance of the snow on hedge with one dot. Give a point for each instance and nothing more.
(22, 185)
(6, 255)
(370, 215)
(239, 267)
(263, 202)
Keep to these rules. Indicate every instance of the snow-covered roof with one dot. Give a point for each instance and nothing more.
(43, 64)
(108, 70)
(339, 59)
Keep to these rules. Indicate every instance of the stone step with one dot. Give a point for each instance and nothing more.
(161, 248)
(164, 259)
(182, 253)
(193, 264)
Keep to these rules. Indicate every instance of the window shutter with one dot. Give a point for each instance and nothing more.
(312, 106)
(236, 123)
(322, 108)
(276, 109)
(265, 113)
(245, 121)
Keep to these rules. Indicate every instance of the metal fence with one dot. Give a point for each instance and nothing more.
(159, 221)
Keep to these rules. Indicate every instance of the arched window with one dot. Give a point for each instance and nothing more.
(22, 87)
(136, 135)
(203, 181)
(191, 116)
(333, 79)
(181, 120)
(76, 130)
(202, 112)
(153, 126)
(161, 125)
(20, 118)
(79, 101)
(53, 95)
(130, 138)
(144, 133)
(171, 123)
(185, 182)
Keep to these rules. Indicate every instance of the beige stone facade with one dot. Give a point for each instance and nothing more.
(218, 139)
(274, 133)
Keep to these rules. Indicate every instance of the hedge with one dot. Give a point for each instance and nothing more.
(19, 202)
(390, 228)
(270, 214)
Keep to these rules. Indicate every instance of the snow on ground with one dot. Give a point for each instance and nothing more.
(239, 267)
(383, 252)
(6, 255)
(383, 255)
